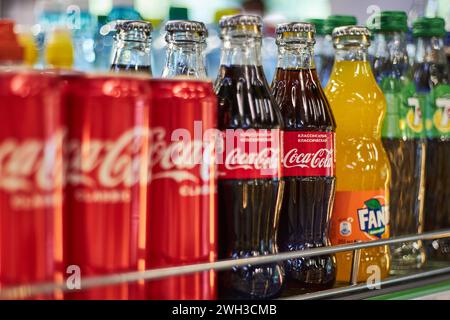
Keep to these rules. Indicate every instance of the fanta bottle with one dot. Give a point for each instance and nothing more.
(361, 211)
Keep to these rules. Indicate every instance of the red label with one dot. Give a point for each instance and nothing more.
(308, 153)
(249, 154)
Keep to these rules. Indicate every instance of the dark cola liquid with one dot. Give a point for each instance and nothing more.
(437, 169)
(307, 201)
(248, 214)
(406, 192)
(131, 68)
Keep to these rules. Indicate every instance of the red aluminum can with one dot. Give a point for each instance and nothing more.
(182, 204)
(107, 178)
(31, 179)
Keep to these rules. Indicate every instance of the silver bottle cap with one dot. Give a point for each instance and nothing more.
(186, 25)
(134, 25)
(351, 31)
(240, 20)
(295, 27)
(351, 35)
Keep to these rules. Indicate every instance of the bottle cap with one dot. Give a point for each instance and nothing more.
(178, 13)
(338, 21)
(241, 20)
(244, 24)
(295, 32)
(134, 25)
(187, 26)
(352, 35)
(10, 49)
(319, 24)
(388, 21)
(429, 27)
(295, 27)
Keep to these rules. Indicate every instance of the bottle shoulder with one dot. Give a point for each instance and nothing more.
(360, 155)
(245, 100)
(302, 101)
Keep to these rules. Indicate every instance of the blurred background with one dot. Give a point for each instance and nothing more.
(88, 22)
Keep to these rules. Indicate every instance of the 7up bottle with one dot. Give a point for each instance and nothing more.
(403, 136)
(431, 80)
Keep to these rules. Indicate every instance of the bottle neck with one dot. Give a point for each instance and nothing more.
(242, 50)
(132, 55)
(392, 46)
(430, 50)
(357, 53)
(296, 56)
(185, 59)
(390, 55)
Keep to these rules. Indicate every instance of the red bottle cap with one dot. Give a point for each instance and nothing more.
(10, 49)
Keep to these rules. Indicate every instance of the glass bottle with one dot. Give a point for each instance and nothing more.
(186, 42)
(308, 158)
(361, 206)
(327, 58)
(132, 43)
(431, 80)
(403, 138)
(249, 187)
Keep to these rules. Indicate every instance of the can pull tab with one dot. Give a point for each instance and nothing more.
(355, 265)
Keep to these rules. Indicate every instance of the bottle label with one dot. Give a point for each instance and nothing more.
(249, 154)
(405, 110)
(437, 122)
(308, 154)
(359, 216)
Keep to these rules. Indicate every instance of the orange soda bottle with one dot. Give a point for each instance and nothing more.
(27, 41)
(361, 207)
(59, 50)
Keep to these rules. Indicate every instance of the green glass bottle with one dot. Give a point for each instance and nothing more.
(403, 137)
(431, 80)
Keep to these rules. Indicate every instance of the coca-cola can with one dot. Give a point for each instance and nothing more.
(31, 179)
(107, 174)
(182, 203)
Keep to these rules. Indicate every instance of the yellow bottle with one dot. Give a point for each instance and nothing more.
(59, 51)
(26, 39)
(361, 210)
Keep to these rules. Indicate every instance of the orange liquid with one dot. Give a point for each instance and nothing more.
(362, 165)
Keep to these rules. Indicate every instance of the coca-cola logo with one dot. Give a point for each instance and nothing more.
(322, 158)
(32, 164)
(138, 156)
(308, 154)
(249, 154)
(266, 158)
(108, 163)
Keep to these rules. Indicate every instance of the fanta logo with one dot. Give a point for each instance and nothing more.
(372, 218)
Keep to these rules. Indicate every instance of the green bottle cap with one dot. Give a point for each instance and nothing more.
(319, 24)
(388, 21)
(338, 21)
(178, 13)
(429, 27)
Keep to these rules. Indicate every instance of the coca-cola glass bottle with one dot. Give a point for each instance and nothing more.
(249, 186)
(308, 158)
(132, 45)
(186, 42)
